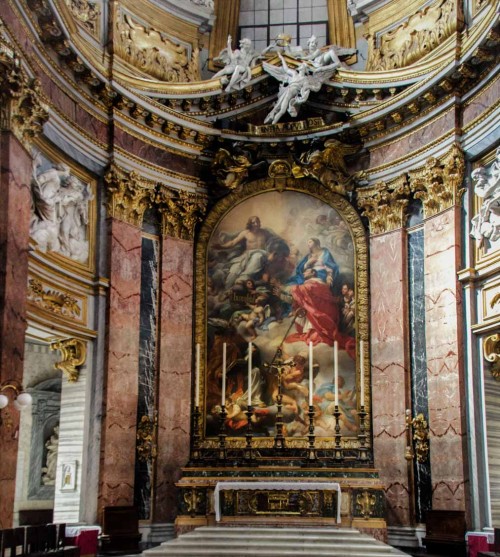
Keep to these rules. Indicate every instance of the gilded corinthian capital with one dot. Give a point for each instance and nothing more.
(180, 212)
(129, 195)
(21, 108)
(439, 183)
(385, 204)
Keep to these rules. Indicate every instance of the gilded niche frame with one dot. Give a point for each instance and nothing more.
(206, 438)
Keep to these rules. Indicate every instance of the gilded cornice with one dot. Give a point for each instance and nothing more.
(129, 195)
(439, 183)
(384, 205)
(181, 212)
(22, 110)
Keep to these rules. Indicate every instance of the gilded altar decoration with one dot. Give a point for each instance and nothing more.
(54, 301)
(327, 165)
(154, 53)
(230, 169)
(413, 38)
(491, 350)
(128, 195)
(365, 503)
(22, 110)
(74, 354)
(439, 183)
(181, 212)
(419, 434)
(485, 225)
(60, 210)
(86, 13)
(146, 438)
(385, 204)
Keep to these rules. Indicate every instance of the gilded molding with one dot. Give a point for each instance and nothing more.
(327, 166)
(86, 14)
(385, 204)
(491, 350)
(439, 183)
(74, 354)
(152, 52)
(54, 301)
(22, 110)
(181, 212)
(129, 195)
(413, 38)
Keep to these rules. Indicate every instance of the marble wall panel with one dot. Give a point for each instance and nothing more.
(482, 102)
(121, 384)
(15, 175)
(413, 141)
(444, 346)
(389, 369)
(175, 377)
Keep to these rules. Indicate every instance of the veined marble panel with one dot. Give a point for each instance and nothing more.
(492, 396)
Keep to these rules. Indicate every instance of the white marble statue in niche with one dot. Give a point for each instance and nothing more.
(486, 224)
(59, 215)
(49, 470)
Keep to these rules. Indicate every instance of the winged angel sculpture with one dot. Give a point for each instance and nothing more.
(296, 86)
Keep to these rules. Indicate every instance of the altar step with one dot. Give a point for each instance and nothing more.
(273, 542)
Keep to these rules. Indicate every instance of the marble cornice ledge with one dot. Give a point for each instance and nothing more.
(129, 195)
(439, 183)
(180, 211)
(384, 204)
(22, 110)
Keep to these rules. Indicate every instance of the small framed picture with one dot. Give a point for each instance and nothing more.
(68, 477)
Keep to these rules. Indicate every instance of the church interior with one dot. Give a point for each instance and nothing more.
(250, 274)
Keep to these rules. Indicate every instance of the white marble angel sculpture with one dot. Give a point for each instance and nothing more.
(328, 57)
(296, 85)
(237, 71)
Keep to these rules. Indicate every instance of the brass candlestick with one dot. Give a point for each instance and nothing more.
(311, 451)
(196, 452)
(248, 452)
(338, 456)
(222, 433)
(362, 452)
(279, 439)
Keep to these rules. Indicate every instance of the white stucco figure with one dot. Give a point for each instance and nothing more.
(296, 85)
(328, 57)
(237, 71)
(486, 224)
(49, 470)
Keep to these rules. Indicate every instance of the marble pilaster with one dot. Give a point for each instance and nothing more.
(389, 370)
(175, 374)
(444, 346)
(121, 380)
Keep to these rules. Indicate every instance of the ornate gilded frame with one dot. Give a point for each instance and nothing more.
(358, 233)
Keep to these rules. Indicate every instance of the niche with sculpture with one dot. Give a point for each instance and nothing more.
(282, 269)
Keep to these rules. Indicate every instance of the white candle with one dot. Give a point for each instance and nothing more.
(362, 372)
(310, 373)
(336, 371)
(197, 384)
(249, 374)
(224, 374)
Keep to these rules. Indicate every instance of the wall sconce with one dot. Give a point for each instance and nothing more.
(419, 437)
(21, 398)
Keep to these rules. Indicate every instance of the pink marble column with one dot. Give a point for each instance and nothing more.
(15, 176)
(121, 377)
(389, 370)
(175, 377)
(445, 359)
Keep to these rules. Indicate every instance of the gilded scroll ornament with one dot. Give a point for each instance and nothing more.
(74, 354)
(230, 170)
(491, 349)
(128, 195)
(56, 302)
(365, 502)
(328, 166)
(413, 38)
(181, 211)
(21, 107)
(385, 205)
(419, 432)
(439, 183)
(152, 52)
(86, 13)
(146, 438)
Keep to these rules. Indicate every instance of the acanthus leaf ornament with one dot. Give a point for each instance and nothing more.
(491, 350)
(181, 212)
(74, 354)
(129, 196)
